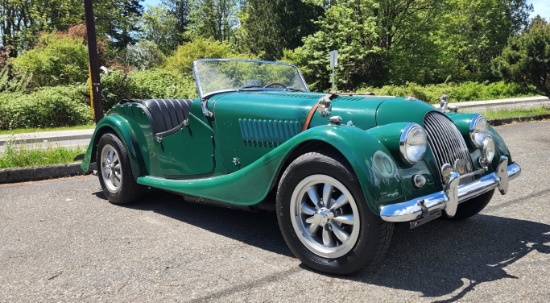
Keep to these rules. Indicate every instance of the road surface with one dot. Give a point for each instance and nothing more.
(61, 241)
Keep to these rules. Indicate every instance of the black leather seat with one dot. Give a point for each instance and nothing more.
(167, 115)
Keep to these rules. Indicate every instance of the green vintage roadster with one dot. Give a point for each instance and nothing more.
(337, 169)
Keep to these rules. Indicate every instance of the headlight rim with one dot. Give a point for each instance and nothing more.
(473, 130)
(403, 143)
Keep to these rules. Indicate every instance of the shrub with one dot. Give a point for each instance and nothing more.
(56, 60)
(183, 57)
(156, 83)
(144, 55)
(46, 107)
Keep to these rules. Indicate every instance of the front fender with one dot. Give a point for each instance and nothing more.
(372, 163)
(122, 128)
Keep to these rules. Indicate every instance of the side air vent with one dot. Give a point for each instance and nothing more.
(273, 132)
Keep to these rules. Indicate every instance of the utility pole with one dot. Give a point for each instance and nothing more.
(95, 85)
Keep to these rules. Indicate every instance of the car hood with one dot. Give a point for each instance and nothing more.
(362, 111)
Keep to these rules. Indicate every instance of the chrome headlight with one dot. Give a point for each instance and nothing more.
(478, 130)
(487, 152)
(413, 143)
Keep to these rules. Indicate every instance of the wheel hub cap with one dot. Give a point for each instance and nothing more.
(325, 216)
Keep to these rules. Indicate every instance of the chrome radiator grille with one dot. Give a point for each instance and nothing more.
(447, 142)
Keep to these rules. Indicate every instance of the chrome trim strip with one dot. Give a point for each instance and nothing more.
(449, 198)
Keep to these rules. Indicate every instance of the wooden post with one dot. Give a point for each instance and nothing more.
(95, 83)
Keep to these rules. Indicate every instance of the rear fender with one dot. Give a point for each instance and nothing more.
(122, 128)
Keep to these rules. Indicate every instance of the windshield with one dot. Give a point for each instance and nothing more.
(220, 75)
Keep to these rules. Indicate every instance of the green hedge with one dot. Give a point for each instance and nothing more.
(46, 107)
(468, 91)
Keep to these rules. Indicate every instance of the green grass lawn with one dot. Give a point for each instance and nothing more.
(22, 156)
(503, 114)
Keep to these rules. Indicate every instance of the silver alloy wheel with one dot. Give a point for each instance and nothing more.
(325, 216)
(111, 170)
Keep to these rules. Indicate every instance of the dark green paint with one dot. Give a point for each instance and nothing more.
(214, 158)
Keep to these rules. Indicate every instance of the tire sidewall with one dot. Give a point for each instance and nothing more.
(122, 195)
(364, 249)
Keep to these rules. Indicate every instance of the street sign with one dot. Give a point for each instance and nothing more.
(334, 59)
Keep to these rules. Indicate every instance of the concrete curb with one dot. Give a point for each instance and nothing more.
(52, 136)
(16, 175)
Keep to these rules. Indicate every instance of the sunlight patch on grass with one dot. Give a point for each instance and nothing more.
(16, 155)
(503, 114)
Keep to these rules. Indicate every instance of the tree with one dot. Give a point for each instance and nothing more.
(473, 32)
(22, 20)
(399, 41)
(118, 20)
(159, 26)
(212, 19)
(270, 26)
(526, 58)
(377, 41)
(144, 55)
(180, 10)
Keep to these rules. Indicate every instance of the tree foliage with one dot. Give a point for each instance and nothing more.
(213, 19)
(22, 20)
(473, 32)
(270, 26)
(159, 25)
(400, 41)
(183, 57)
(526, 58)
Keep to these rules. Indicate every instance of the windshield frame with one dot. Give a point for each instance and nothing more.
(202, 95)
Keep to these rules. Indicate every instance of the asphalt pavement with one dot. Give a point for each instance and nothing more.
(62, 241)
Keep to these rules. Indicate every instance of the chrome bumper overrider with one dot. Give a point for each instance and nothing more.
(448, 199)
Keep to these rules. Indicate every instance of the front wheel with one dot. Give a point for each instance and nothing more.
(115, 174)
(472, 207)
(324, 218)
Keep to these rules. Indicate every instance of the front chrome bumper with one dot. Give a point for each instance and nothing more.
(448, 199)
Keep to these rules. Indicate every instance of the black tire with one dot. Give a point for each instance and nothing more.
(368, 236)
(114, 171)
(472, 207)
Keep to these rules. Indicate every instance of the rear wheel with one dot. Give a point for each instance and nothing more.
(472, 207)
(115, 174)
(324, 217)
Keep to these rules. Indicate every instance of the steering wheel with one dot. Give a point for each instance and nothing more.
(272, 84)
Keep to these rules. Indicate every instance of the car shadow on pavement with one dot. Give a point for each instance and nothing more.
(258, 228)
(450, 259)
(442, 259)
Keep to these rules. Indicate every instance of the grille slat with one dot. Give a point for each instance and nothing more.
(446, 141)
